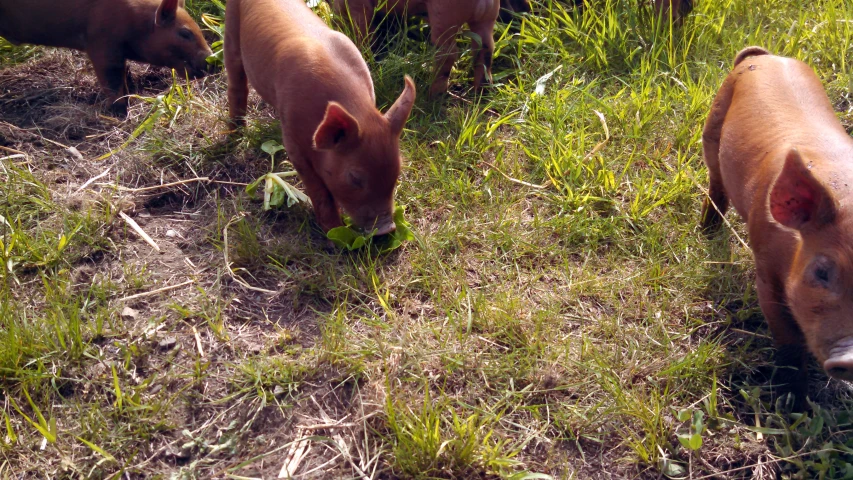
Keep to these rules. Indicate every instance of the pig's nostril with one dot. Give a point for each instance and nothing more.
(841, 368)
(386, 229)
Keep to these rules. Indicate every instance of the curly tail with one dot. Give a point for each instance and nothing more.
(749, 52)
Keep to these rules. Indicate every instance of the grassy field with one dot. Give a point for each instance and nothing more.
(559, 314)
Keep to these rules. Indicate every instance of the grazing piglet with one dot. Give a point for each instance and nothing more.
(345, 151)
(776, 150)
(446, 18)
(111, 32)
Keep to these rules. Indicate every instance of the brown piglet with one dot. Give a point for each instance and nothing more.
(776, 151)
(446, 19)
(159, 33)
(345, 151)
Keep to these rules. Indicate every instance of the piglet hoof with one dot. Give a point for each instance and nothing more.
(118, 108)
(236, 126)
(481, 84)
(438, 88)
(711, 219)
(791, 377)
(791, 391)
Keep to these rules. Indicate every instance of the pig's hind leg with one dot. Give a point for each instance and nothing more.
(717, 202)
(485, 51)
(444, 38)
(238, 82)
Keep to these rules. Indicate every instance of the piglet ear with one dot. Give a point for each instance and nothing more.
(337, 130)
(798, 200)
(399, 112)
(166, 12)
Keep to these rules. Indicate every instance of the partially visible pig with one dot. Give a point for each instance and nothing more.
(345, 151)
(776, 150)
(510, 7)
(673, 9)
(111, 32)
(446, 19)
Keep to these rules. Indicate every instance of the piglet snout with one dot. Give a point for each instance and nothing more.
(381, 225)
(840, 361)
(385, 228)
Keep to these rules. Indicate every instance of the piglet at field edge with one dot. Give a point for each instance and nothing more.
(345, 151)
(111, 32)
(446, 18)
(776, 151)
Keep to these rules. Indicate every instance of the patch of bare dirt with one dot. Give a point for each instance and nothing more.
(176, 307)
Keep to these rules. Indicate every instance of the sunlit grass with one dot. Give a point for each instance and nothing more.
(558, 312)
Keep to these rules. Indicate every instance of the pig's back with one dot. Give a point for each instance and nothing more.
(54, 23)
(285, 40)
(778, 103)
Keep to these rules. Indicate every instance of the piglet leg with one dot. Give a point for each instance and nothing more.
(111, 70)
(238, 83)
(325, 207)
(444, 38)
(790, 374)
(483, 60)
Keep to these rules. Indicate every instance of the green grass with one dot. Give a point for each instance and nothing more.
(558, 313)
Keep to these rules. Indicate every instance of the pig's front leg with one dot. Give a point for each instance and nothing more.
(791, 374)
(111, 70)
(325, 208)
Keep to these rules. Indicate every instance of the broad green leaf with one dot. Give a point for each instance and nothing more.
(253, 187)
(271, 147)
(672, 469)
(531, 476)
(695, 442)
(351, 239)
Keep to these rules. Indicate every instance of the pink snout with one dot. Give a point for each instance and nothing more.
(386, 228)
(840, 362)
(382, 225)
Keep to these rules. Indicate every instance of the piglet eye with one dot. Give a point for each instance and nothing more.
(822, 272)
(355, 180)
(186, 34)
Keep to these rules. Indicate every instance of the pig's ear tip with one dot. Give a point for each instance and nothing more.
(795, 159)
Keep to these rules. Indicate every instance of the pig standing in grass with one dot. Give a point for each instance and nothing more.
(111, 32)
(509, 7)
(776, 151)
(345, 151)
(674, 9)
(446, 18)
